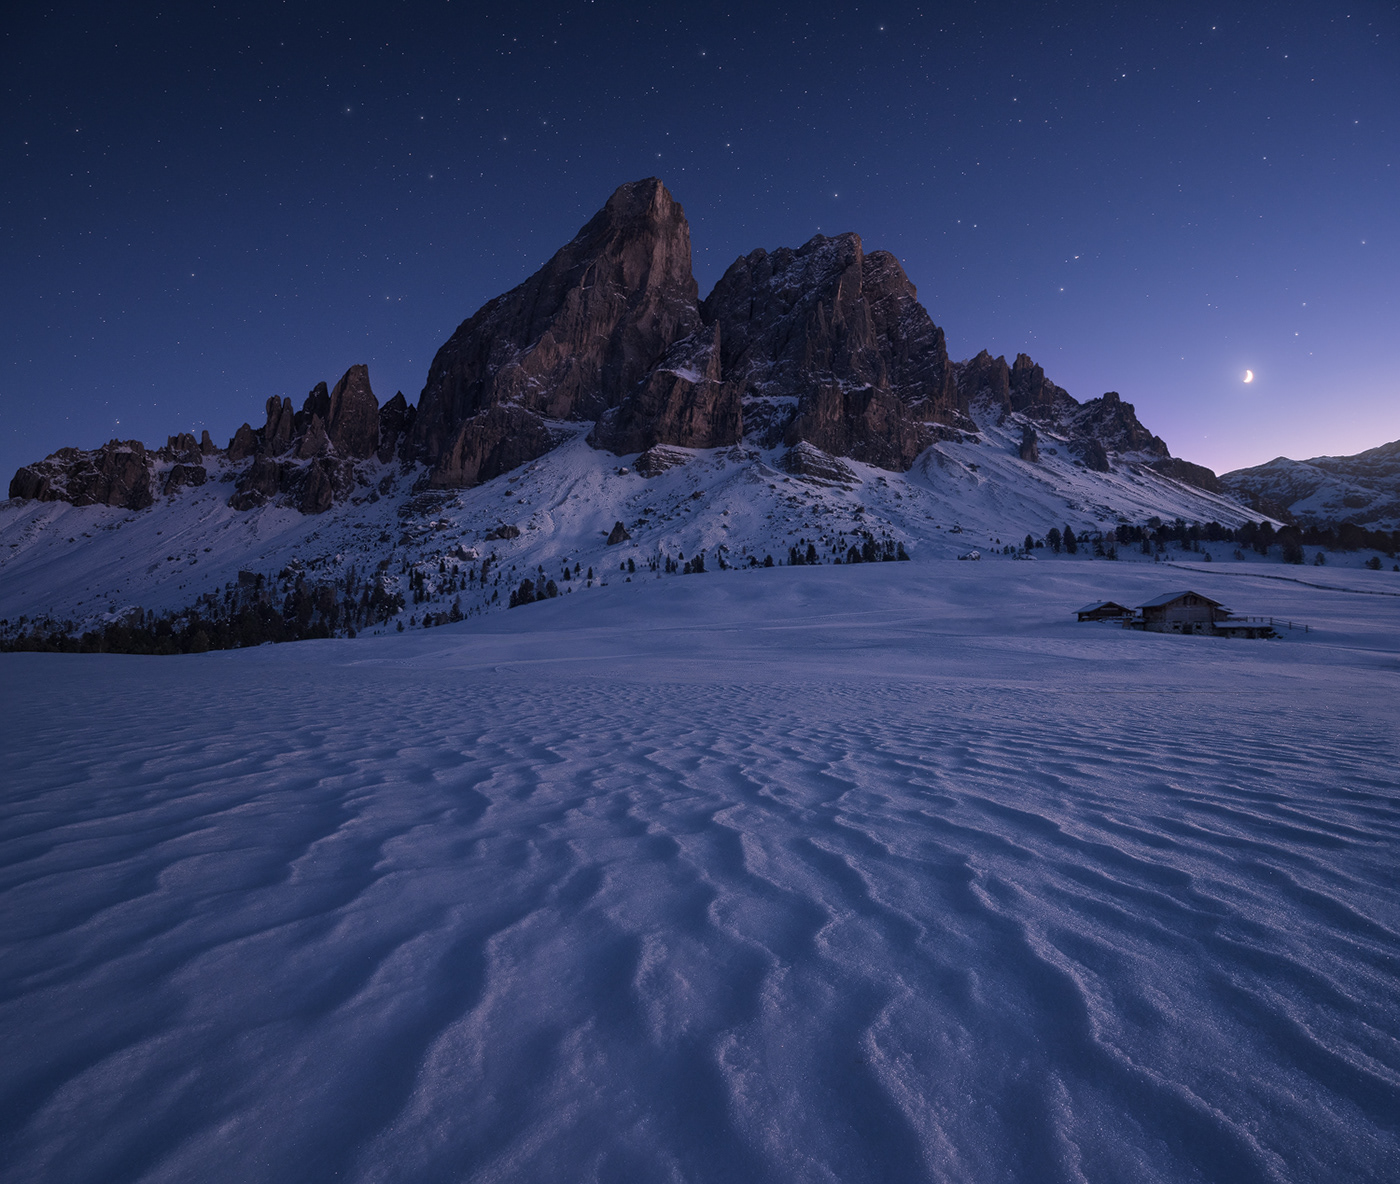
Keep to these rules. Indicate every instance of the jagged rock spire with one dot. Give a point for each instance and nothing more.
(568, 343)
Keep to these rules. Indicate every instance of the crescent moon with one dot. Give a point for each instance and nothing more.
(1249, 376)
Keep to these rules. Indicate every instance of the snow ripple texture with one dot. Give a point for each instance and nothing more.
(789, 892)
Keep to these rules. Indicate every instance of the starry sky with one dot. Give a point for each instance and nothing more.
(205, 205)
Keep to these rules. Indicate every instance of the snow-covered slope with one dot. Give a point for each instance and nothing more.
(873, 873)
(1364, 489)
(87, 564)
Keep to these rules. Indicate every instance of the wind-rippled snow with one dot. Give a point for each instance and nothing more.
(879, 873)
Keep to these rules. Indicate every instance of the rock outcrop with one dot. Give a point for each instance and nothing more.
(319, 487)
(280, 426)
(318, 445)
(491, 443)
(316, 406)
(1018, 388)
(245, 442)
(314, 442)
(1096, 430)
(344, 422)
(181, 448)
(681, 401)
(807, 460)
(117, 474)
(656, 460)
(187, 462)
(1031, 393)
(258, 483)
(1183, 470)
(310, 487)
(352, 421)
(831, 346)
(984, 379)
(181, 475)
(395, 422)
(1091, 453)
(569, 343)
(1114, 424)
(304, 458)
(1030, 444)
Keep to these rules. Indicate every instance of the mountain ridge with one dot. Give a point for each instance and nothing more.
(824, 344)
(1362, 489)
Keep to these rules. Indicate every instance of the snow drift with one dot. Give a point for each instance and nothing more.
(887, 872)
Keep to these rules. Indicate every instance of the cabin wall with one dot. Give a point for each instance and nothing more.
(1172, 618)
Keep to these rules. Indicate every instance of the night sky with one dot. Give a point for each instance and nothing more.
(205, 206)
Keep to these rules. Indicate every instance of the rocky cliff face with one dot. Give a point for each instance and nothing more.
(984, 379)
(683, 400)
(1019, 388)
(568, 343)
(823, 344)
(1183, 470)
(395, 421)
(1113, 423)
(1031, 393)
(352, 419)
(830, 345)
(1029, 449)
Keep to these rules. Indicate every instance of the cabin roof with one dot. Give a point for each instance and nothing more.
(1169, 597)
(1088, 608)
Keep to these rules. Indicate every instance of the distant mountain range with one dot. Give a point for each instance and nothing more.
(809, 398)
(1363, 489)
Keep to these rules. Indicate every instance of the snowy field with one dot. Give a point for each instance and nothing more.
(889, 872)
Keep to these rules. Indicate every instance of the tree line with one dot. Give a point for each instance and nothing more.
(256, 609)
(1155, 536)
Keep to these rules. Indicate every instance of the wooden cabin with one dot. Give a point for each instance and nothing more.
(1181, 612)
(1105, 610)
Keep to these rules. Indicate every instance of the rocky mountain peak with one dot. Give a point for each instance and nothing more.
(568, 343)
(647, 200)
(984, 378)
(1114, 423)
(352, 419)
(1032, 393)
(830, 345)
(344, 422)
